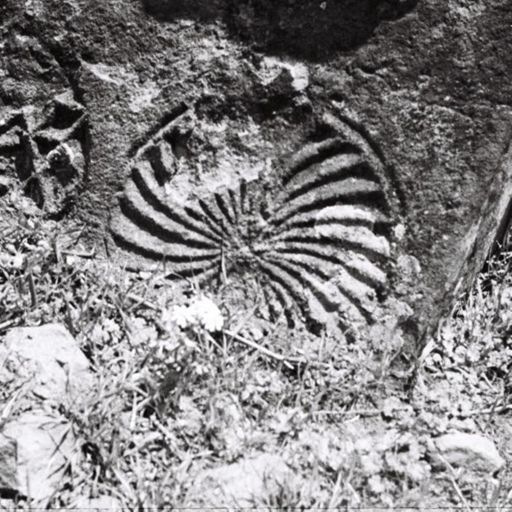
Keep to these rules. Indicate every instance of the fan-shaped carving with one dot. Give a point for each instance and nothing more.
(313, 234)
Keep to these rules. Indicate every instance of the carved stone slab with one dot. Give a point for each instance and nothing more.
(335, 165)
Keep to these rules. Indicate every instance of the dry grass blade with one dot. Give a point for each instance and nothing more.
(5, 325)
(226, 405)
(141, 301)
(80, 254)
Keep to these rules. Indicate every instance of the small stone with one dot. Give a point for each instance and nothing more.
(8, 479)
(290, 73)
(45, 445)
(300, 75)
(53, 357)
(470, 451)
(240, 485)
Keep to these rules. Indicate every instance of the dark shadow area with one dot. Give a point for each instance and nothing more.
(310, 29)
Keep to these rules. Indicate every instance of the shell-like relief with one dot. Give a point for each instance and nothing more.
(313, 233)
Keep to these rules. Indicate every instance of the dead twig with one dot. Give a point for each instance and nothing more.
(80, 254)
(273, 355)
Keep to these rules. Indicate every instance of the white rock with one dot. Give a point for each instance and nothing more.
(56, 369)
(240, 485)
(470, 451)
(299, 73)
(52, 356)
(45, 445)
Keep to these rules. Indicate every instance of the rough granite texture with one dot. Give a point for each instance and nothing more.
(165, 102)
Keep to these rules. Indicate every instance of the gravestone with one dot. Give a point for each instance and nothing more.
(335, 164)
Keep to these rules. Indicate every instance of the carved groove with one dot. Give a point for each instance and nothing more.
(318, 246)
(45, 150)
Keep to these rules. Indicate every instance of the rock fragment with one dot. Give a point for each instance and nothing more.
(243, 484)
(45, 446)
(473, 452)
(41, 443)
(52, 356)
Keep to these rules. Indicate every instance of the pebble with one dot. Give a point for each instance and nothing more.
(470, 451)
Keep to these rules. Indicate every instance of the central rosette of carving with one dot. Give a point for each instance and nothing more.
(244, 240)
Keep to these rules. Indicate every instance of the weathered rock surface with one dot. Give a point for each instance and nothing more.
(41, 442)
(44, 447)
(244, 484)
(472, 452)
(348, 159)
(52, 357)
